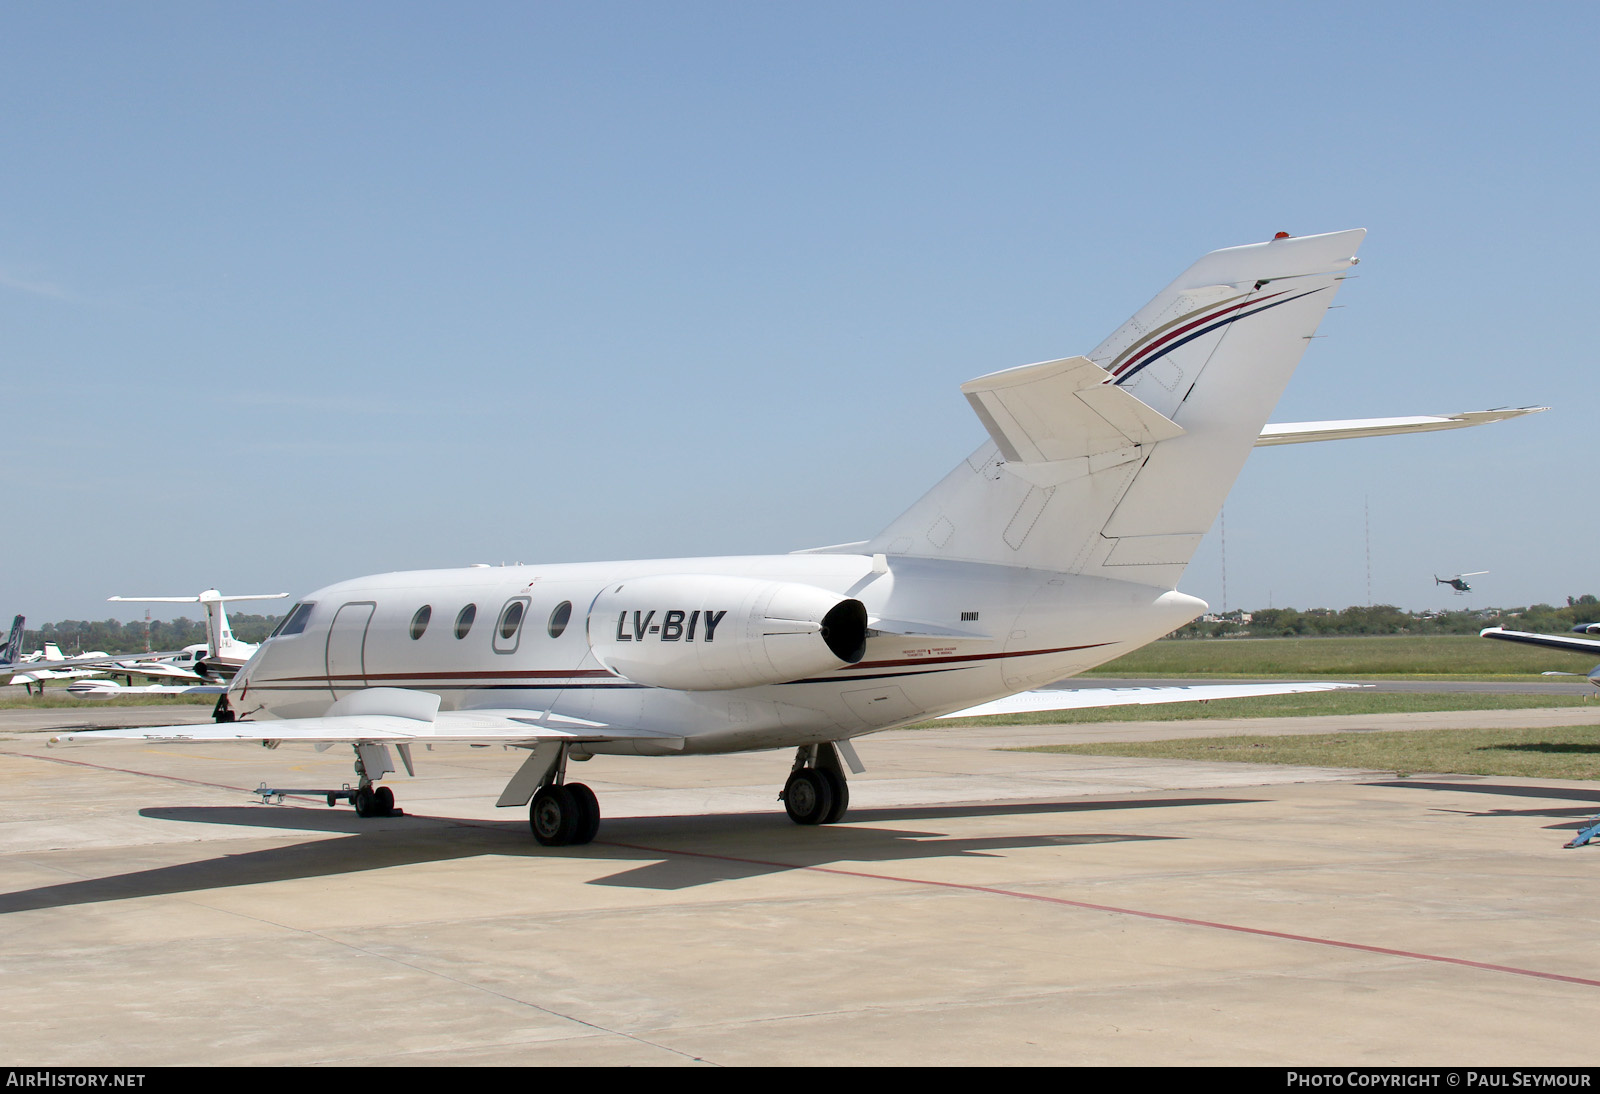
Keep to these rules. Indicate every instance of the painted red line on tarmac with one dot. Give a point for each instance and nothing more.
(1184, 920)
(130, 771)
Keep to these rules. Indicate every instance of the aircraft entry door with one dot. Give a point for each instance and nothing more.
(347, 642)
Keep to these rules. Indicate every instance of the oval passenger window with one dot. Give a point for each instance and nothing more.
(559, 618)
(464, 620)
(511, 620)
(419, 622)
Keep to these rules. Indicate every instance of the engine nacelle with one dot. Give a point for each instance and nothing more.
(702, 632)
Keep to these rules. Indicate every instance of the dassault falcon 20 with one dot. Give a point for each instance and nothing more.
(1055, 547)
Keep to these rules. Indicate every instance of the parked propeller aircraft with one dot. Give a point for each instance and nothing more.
(1055, 547)
(48, 663)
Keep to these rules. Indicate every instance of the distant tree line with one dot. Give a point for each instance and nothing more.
(113, 636)
(1388, 619)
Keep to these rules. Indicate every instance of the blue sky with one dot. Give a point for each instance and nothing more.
(297, 292)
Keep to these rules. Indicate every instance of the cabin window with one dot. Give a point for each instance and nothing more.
(464, 620)
(295, 621)
(419, 622)
(559, 618)
(511, 618)
(508, 629)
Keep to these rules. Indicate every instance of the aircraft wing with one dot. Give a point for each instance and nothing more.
(1303, 432)
(399, 716)
(1590, 646)
(1081, 698)
(104, 689)
(157, 668)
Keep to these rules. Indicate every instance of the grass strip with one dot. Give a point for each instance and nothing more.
(1445, 655)
(51, 700)
(1568, 752)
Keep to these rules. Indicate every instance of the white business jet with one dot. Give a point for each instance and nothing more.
(224, 654)
(198, 668)
(1055, 547)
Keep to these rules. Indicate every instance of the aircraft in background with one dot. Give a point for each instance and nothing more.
(1590, 646)
(11, 653)
(44, 664)
(225, 654)
(1458, 582)
(1055, 547)
(197, 667)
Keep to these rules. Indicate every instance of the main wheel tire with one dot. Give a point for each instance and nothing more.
(383, 802)
(365, 801)
(553, 816)
(841, 795)
(588, 808)
(808, 796)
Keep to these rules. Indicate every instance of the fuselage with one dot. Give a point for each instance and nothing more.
(945, 635)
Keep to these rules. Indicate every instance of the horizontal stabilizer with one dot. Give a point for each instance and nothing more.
(1303, 432)
(211, 596)
(1082, 698)
(1062, 410)
(1590, 646)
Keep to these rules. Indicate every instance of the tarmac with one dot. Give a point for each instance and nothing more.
(976, 906)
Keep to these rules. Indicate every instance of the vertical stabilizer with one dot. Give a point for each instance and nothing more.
(13, 648)
(219, 637)
(1116, 464)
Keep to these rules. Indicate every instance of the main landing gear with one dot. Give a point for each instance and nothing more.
(564, 813)
(817, 791)
(559, 812)
(373, 801)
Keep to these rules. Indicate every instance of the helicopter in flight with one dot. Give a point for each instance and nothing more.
(1459, 581)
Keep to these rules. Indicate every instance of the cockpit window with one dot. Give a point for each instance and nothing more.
(295, 621)
(464, 620)
(419, 622)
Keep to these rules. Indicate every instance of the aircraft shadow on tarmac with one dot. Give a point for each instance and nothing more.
(1582, 812)
(718, 847)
